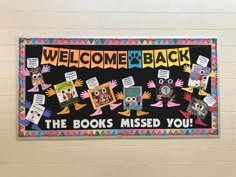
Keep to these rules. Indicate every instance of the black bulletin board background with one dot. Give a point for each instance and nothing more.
(141, 77)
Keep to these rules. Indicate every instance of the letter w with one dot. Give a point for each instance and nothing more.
(49, 56)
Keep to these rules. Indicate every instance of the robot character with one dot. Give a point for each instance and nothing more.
(67, 95)
(36, 75)
(197, 108)
(198, 78)
(133, 100)
(165, 90)
(34, 115)
(101, 96)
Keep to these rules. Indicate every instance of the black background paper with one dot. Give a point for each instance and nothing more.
(141, 77)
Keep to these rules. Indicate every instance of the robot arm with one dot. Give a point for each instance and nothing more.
(187, 69)
(212, 109)
(113, 84)
(84, 94)
(119, 96)
(27, 104)
(179, 83)
(188, 97)
(24, 72)
(47, 113)
(50, 92)
(78, 83)
(213, 74)
(146, 95)
(45, 69)
(151, 84)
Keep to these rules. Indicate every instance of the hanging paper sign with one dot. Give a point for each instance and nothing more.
(165, 74)
(128, 82)
(39, 99)
(203, 61)
(70, 76)
(92, 83)
(32, 62)
(209, 100)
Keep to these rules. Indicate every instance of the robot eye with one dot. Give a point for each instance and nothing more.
(133, 99)
(197, 105)
(201, 107)
(170, 81)
(161, 81)
(39, 75)
(204, 78)
(128, 99)
(96, 93)
(104, 90)
(202, 72)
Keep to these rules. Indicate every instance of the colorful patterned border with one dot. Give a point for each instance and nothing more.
(214, 131)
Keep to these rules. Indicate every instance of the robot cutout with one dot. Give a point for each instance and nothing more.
(165, 89)
(36, 75)
(199, 76)
(100, 95)
(132, 98)
(34, 115)
(197, 108)
(67, 95)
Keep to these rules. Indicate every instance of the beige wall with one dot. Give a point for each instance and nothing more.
(113, 158)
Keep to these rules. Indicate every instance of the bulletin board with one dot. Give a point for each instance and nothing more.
(117, 87)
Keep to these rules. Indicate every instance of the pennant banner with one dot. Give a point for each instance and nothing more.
(103, 87)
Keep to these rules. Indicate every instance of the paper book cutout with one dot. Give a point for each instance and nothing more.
(165, 89)
(34, 115)
(103, 92)
(197, 108)
(198, 78)
(132, 98)
(67, 95)
(36, 75)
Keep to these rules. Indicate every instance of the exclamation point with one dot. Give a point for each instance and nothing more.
(191, 122)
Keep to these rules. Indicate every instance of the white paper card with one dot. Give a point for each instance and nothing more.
(128, 81)
(35, 113)
(209, 100)
(163, 74)
(70, 76)
(39, 99)
(92, 83)
(32, 62)
(202, 61)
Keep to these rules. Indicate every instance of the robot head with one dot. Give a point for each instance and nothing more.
(133, 98)
(67, 91)
(68, 94)
(199, 76)
(34, 115)
(198, 108)
(102, 95)
(165, 87)
(36, 76)
(130, 101)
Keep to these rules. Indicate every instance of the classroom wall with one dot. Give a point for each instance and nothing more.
(203, 157)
